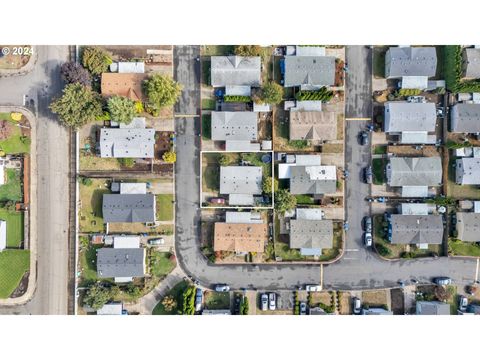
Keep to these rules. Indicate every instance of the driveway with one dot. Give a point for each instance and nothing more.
(41, 85)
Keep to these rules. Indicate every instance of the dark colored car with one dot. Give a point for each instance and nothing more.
(368, 175)
(364, 138)
(367, 224)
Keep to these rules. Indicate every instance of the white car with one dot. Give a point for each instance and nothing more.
(264, 302)
(367, 239)
(222, 288)
(313, 288)
(356, 305)
(272, 301)
(462, 303)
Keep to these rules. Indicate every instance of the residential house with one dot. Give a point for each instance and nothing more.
(432, 308)
(241, 183)
(123, 84)
(309, 72)
(234, 71)
(237, 129)
(413, 65)
(413, 123)
(310, 233)
(240, 233)
(471, 63)
(468, 226)
(313, 180)
(128, 141)
(121, 264)
(467, 171)
(313, 125)
(3, 235)
(420, 230)
(113, 308)
(465, 118)
(414, 175)
(129, 208)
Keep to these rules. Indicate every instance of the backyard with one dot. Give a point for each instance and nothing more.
(14, 221)
(160, 263)
(12, 189)
(91, 197)
(88, 264)
(13, 265)
(164, 207)
(176, 292)
(11, 139)
(460, 191)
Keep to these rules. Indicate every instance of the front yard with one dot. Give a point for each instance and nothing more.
(217, 300)
(12, 189)
(164, 207)
(177, 293)
(91, 198)
(11, 139)
(378, 169)
(13, 265)
(160, 263)
(462, 248)
(14, 221)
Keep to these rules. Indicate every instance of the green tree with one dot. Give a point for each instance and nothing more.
(77, 106)
(127, 162)
(121, 109)
(244, 306)
(267, 185)
(169, 157)
(97, 296)
(169, 303)
(248, 50)
(271, 93)
(189, 301)
(161, 91)
(284, 201)
(96, 60)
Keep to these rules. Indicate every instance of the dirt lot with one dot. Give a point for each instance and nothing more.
(345, 303)
(375, 298)
(397, 301)
(408, 150)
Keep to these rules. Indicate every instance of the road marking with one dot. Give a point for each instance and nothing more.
(476, 271)
(347, 258)
(352, 249)
(357, 119)
(186, 115)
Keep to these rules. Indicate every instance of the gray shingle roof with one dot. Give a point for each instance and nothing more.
(416, 229)
(467, 171)
(128, 208)
(120, 262)
(311, 234)
(472, 63)
(468, 226)
(127, 143)
(466, 118)
(309, 70)
(432, 308)
(235, 70)
(410, 61)
(404, 116)
(241, 125)
(301, 183)
(425, 171)
(241, 180)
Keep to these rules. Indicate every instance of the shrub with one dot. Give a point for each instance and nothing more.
(97, 296)
(284, 201)
(161, 91)
(298, 144)
(169, 303)
(121, 109)
(86, 181)
(188, 304)
(237, 98)
(383, 250)
(267, 185)
(248, 50)
(271, 93)
(139, 107)
(244, 306)
(96, 60)
(73, 72)
(169, 157)
(127, 162)
(323, 94)
(409, 92)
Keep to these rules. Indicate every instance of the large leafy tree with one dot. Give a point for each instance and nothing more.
(248, 50)
(271, 93)
(161, 91)
(96, 60)
(75, 73)
(121, 109)
(77, 106)
(284, 201)
(97, 296)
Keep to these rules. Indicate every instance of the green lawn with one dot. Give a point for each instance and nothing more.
(88, 263)
(91, 197)
(380, 150)
(219, 50)
(379, 61)
(462, 248)
(5, 116)
(304, 199)
(217, 300)
(160, 263)
(14, 221)
(164, 207)
(208, 104)
(378, 169)
(11, 190)
(206, 64)
(16, 143)
(176, 292)
(13, 265)
(207, 126)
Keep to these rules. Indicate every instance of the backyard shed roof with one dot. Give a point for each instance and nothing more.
(316, 71)
(424, 171)
(128, 208)
(416, 229)
(240, 125)
(127, 143)
(120, 263)
(126, 242)
(313, 125)
(405, 116)
(311, 234)
(240, 237)
(241, 180)
(235, 70)
(410, 61)
(468, 226)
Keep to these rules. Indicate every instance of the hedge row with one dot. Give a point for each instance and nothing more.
(323, 94)
(453, 71)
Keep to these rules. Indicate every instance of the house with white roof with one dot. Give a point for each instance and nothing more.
(467, 171)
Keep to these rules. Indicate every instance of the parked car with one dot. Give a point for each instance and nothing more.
(462, 303)
(367, 239)
(313, 288)
(222, 288)
(364, 138)
(156, 241)
(303, 308)
(198, 299)
(442, 280)
(237, 302)
(414, 281)
(356, 306)
(367, 224)
(272, 301)
(264, 302)
(368, 174)
(216, 200)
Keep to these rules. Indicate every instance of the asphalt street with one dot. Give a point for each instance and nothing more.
(41, 85)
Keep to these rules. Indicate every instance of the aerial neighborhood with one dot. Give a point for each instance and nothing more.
(243, 180)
